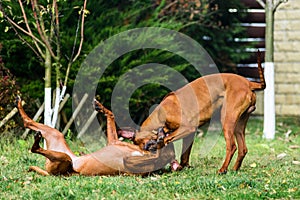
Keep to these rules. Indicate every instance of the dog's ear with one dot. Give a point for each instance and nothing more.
(127, 132)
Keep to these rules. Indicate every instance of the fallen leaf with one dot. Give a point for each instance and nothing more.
(294, 147)
(292, 189)
(26, 183)
(222, 187)
(287, 134)
(296, 162)
(253, 165)
(71, 192)
(281, 155)
(3, 160)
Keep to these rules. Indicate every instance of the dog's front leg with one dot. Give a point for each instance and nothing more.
(187, 144)
(181, 132)
(185, 132)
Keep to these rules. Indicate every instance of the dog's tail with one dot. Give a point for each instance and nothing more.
(262, 84)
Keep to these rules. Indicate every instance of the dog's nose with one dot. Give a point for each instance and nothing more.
(150, 145)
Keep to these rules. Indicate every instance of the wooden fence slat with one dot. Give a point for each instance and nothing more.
(9, 115)
(252, 58)
(254, 23)
(254, 17)
(252, 4)
(87, 124)
(64, 101)
(248, 72)
(61, 105)
(255, 32)
(75, 113)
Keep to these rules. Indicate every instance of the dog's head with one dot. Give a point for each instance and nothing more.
(145, 139)
(140, 138)
(151, 140)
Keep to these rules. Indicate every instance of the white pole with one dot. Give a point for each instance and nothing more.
(269, 102)
(48, 108)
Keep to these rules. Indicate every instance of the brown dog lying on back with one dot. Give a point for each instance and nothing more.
(116, 158)
(182, 111)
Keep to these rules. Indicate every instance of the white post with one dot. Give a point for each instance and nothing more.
(48, 108)
(269, 102)
(56, 106)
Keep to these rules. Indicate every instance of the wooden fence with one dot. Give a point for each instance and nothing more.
(255, 25)
(62, 104)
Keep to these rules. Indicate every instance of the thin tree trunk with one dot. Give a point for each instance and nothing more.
(47, 96)
(269, 94)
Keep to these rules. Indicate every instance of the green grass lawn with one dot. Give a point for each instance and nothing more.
(269, 171)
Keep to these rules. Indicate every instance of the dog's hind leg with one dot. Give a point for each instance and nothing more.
(57, 162)
(38, 170)
(229, 121)
(240, 137)
(34, 147)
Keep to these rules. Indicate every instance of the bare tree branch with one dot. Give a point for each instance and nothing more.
(28, 28)
(40, 25)
(56, 27)
(55, 32)
(168, 6)
(75, 40)
(13, 24)
(80, 45)
(262, 3)
(40, 56)
(82, 30)
(277, 3)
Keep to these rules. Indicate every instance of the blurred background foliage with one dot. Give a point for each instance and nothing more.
(209, 22)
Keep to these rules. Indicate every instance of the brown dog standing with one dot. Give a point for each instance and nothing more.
(182, 111)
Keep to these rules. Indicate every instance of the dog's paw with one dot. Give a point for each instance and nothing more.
(96, 106)
(36, 144)
(220, 172)
(18, 99)
(175, 166)
(37, 136)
